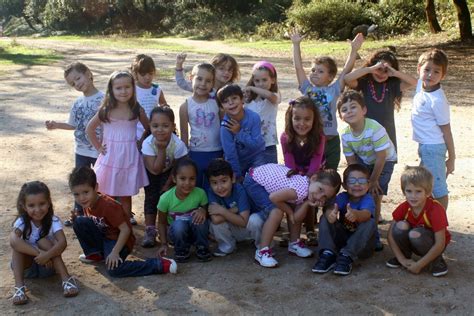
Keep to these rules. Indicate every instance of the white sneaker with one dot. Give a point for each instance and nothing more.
(265, 258)
(299, 249)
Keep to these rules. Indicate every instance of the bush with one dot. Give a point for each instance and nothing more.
(328, 19)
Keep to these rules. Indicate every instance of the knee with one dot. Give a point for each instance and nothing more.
(80, 222)
(179, 227)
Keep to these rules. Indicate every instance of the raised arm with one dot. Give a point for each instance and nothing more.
(50, 125)
(406, 81)
(179, 75)
(183, 122)
(265, 94)
(356, 44)
(296, 39)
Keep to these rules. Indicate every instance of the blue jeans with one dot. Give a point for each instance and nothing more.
(82, 161)
(92, 241)
(202, 159)
(183, 233)
(433, 158)
(357, 244)
(271, 154)
(259, 198)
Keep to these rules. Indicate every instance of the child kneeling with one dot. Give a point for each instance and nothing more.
(352, 235)
(105, 231)
(228, 206)
(420, 226)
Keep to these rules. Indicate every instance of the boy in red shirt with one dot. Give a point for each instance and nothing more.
(420, 226)
(105, 231)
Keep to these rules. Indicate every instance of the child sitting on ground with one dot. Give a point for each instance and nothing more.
(347, 231)
(228, 206)
(105, 231)
(419, 226)
(241, 137)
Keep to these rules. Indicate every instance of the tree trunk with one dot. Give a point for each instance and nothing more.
(430, 12)
(464, 18)
(27, 19)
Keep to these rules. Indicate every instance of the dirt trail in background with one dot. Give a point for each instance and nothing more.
(234, 284)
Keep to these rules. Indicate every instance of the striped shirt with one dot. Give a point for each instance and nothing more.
(374, 138)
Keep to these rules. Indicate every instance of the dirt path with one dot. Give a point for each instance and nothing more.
(231, 285)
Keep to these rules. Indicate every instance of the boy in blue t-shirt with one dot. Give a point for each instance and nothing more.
(241, 135)
(351, 234)
(228, 207)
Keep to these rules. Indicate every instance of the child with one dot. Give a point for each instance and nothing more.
(366, 141)
(37, 242)
(120, 170)
(270, 190)
(263, 98)
(431, 123)
(228, 206)
(202, 114)
(324, 92)
(183, 209)
(240, 132)
(303, 145)
(106, 232)
(160, 151)
(149, 94)
(420, 226)
(227, 72)
(381, 84)
(350, 235)
(78, 76)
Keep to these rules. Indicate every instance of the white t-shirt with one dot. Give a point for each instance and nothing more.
(35, 231)
(268, 113)
(205, 126)
(148, 99)
(176, 149)
(429, 111)
(83, 109)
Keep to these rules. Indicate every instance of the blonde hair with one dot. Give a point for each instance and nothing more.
(418, 176)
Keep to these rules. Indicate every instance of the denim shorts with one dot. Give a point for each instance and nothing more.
(385, 176)
(36, 271)
(433, 158)
(259, 198)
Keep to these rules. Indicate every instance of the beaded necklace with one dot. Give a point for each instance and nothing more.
(373, 93)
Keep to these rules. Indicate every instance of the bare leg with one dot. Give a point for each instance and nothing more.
(270, 227)
(58, 263)
(126, 202)
(378, 207)
(444, 200)
(150, 220)
(20, 261)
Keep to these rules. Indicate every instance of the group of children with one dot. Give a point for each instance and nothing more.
(221, 175)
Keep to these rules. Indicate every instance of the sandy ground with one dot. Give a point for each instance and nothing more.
(234, 284)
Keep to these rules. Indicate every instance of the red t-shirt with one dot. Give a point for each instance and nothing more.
(108, 215)
(433, 216)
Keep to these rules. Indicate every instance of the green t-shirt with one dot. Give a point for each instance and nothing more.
(174, 207)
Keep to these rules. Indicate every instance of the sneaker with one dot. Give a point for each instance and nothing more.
(182, 256)
(203, 254)
(92, 258)
(326, 261)
(393, 263)
(312, 238)
(149, 239)
(343, 265)
(169, 265)
(264, 257)
(299, 249)
(133, 221)
(439, 267)
(220, 253)
(68, 223)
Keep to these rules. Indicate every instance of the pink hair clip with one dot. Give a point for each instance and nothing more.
(264, 64)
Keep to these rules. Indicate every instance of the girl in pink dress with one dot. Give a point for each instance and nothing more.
(120, 169)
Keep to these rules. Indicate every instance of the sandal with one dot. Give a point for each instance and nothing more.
(70, 288)
(20, 298)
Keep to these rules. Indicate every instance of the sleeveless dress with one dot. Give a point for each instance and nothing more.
(121, 171)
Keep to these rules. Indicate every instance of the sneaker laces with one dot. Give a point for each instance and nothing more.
(266, 252)
(299, 243)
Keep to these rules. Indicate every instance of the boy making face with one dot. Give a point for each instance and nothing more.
(228, 207)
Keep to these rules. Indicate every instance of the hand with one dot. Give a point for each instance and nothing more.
(73, 215)
(113, 260)
(102, 149)
(375, 188)
(357, 42)
(406, 262)
(449, 167)
(247, 92)
(332, 214)
(163, 250)
(216, 209)
(42, 258)
(199, 216)
(350, 215)
(232, 125)
(377, 67)
(49, 265)
(161, 144)
(234, 210)
(50, 125)
(295, 36)
(414, 267)
(180, 58)
(392, 72)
